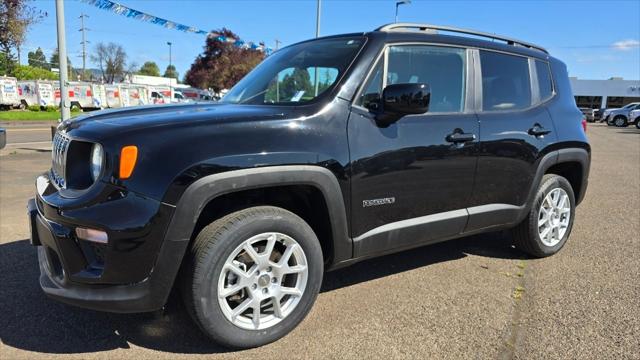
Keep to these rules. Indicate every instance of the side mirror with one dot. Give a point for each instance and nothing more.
(399, 100)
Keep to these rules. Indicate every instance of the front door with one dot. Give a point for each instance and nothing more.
(412, 180)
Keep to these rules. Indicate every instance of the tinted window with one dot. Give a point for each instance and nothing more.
(545, 83)
(505, 82)
(442, 68)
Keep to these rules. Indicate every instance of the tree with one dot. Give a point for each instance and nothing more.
(299, 80)
(15, 18)
(149, 68)
(54, 63)
(171, 72)
(111, 58)
(222, 64)
(37, 59)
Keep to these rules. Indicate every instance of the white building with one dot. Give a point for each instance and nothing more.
(601, 94)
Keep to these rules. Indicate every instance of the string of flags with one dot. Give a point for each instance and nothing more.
(123, 10)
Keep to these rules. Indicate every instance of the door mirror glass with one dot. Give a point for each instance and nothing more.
(404, 99)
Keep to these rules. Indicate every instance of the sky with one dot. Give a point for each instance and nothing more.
(596, 39)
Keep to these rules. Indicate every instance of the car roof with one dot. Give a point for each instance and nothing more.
(465, 41)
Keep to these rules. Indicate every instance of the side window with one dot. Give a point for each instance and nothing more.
(442, 68)
(505, 82)
(372, 91)
(545, 83)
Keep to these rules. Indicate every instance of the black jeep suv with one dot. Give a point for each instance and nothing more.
(331, 151)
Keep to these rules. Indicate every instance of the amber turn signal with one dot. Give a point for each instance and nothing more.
(128, 157)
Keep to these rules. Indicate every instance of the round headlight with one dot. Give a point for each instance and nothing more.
(97, 157)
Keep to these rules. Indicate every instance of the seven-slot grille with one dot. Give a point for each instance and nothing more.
(59, 159)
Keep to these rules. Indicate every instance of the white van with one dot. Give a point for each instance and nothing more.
(8, 92)
(35, 92)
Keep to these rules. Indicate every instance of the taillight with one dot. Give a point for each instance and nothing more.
(584, 124)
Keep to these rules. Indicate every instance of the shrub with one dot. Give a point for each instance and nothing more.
(51, 108)
(33, 107)
(25, 72)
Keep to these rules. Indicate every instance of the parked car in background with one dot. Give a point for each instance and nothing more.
(8, 92)
(3, 138)
(589, 114)
(634, 118)
(619, 117)
(157, 97)
(178, 97)
(242, 205)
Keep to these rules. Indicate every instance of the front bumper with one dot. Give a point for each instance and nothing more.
(133, 272)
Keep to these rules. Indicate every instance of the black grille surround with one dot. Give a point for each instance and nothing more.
(59, 152)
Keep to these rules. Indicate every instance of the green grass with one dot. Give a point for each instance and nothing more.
(31, 115)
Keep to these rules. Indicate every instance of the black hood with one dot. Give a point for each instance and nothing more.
(102, 124)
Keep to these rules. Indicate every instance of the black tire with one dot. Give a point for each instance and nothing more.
(620, 121)
(207, 256)
(637, 122)
(526, 236)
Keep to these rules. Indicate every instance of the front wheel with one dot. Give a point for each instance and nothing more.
(546, 228)
(637, 123)
(620, 121)
(252, 276)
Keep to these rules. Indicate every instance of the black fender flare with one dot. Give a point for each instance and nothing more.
(555, 157)
(207, 188)
(203, 190)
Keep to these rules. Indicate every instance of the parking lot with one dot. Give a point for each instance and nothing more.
(475, 297)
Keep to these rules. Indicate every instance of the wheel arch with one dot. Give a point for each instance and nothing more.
(206, 191)
(572, 163)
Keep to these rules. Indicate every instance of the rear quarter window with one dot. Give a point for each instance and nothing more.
(545, 82)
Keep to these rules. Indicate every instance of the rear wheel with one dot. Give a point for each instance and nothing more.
(252, 276)
(637, 122)
(620, 121)
(548, 225)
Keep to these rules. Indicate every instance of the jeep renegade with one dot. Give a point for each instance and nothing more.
(331, 151)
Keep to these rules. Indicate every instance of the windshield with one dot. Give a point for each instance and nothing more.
(296, 74)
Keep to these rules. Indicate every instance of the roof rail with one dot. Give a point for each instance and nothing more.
(427, 27)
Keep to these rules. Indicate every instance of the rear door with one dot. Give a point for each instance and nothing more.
(516, 131)
(411, 181)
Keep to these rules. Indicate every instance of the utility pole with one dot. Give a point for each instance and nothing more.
(84, 43)
(62, 55)
(317, 78)
(278, 76)
(318, 18)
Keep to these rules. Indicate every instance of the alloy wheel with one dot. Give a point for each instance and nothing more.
(554, 216)
(262, 281)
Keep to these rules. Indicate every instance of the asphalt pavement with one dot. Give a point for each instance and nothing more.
(476, 297)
